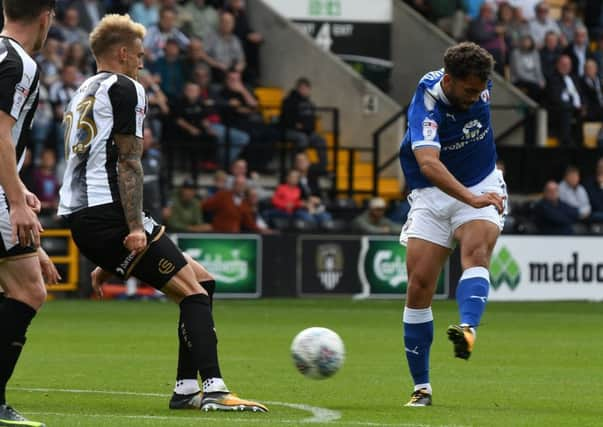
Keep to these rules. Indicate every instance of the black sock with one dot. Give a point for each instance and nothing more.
(187, 370)
(197, 328)
(15, 317)
(210, 287)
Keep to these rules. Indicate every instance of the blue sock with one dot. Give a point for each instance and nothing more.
(472, 294)
(418, 336)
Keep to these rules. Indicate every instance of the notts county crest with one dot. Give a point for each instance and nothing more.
(329, 265)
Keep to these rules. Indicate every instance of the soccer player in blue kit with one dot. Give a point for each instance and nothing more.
(457, 196)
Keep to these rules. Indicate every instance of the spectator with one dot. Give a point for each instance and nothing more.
(50, 61)
(157, 35)
(485, 31)
(203, 19)
(288, 203)
(568, 23)
(250, 39)
(218, 183)
(526, 73)
(574, 194)
(592, 92)
(157, 102)
(449, 16)
(542, 24)
(298, 119)
(145, 12)
(239, 168)
(549, 54)
(43, 126)
(169, 70)
(71, 30)
(515, 26)
(59, 95)
(90, 13)
(373, 220)
(578, 51)
(473, 7)
(186, 215)
(527, 8)
(552, 215)
(224, 48)
(230, 210)
(78, 55)
(154, 189)
(195, 56)
(565, 103)
(308, 176)
(253, 199)
(594, 188)
(240, 111)
(45, 183)
(193, 128)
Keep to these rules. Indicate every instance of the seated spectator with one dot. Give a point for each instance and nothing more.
(154, 190)
(526, 73)
(45, 182)
(50, 61)
(218, 182)
(250, 39)
(579, 51)
(224, 48)
(565, 104)
(194, 131)
(239, 168)
(253, 199)
(485, 31)
(549, 54)
(552, 215)
(185, 211)
(592, 93)
(145, 12)
(157, 35)
(203, 19)
(157, 102)
(542, 24)
(288, 203)
(574, 194)
(568, 23)
(71, 30)
(169, 70)
(230, 210)
(195, 56)
(59, 95)
(373, 220)
(308, 175)
(594, 188)
(298, 119)
(240, 111)
(78, 55)
(515, 24)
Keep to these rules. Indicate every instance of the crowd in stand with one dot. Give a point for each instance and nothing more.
(556, 62)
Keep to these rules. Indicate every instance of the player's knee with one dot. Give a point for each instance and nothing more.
(478, 256)
(418, 280)
(201, 274)
(32, 294)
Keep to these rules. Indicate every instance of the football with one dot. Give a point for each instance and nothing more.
(317, 352)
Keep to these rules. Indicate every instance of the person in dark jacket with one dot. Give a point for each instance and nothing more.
(552, 215)
(298, 119)
(154, 193)
(594, 188)
(592, 91)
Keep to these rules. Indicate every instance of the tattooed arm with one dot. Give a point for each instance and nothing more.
(129, 178)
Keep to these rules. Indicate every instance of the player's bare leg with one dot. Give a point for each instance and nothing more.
(477, 240)
(424, 262)
(24, 294)
(197, 335)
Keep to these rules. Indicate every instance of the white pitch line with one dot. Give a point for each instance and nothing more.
(319, 415)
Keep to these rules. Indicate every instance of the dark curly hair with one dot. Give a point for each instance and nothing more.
(26, 10)
(468, 59)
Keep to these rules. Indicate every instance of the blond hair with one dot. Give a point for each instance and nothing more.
(114, 29)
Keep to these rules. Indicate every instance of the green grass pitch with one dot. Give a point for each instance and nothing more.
(113, 364)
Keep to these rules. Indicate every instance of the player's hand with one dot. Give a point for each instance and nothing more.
(98, 277)
(32, 201)
(49, 271)
(25, 225)
(136, 241)
(487, 199)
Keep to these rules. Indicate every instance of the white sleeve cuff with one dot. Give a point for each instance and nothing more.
(420, 144)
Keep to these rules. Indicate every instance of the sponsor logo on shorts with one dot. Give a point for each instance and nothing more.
(125, 264)
(166, 266)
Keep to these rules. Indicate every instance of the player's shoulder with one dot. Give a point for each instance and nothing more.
(428, 93)
(14, 57)
(125, 85)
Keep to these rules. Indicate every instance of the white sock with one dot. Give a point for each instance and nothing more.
(187, 387)
(211, 385)
(425, 386)
(131, 285)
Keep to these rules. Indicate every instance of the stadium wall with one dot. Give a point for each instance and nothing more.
(418, 47)
(288, 53)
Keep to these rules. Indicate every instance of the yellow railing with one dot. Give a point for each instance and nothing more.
(71, 259)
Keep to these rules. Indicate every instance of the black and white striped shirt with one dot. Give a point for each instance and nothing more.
(18, 92)
(106, 104)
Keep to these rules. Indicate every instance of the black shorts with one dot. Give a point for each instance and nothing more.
(8, 249)
(99, 233)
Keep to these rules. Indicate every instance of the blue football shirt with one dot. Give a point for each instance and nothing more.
(464, 137)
